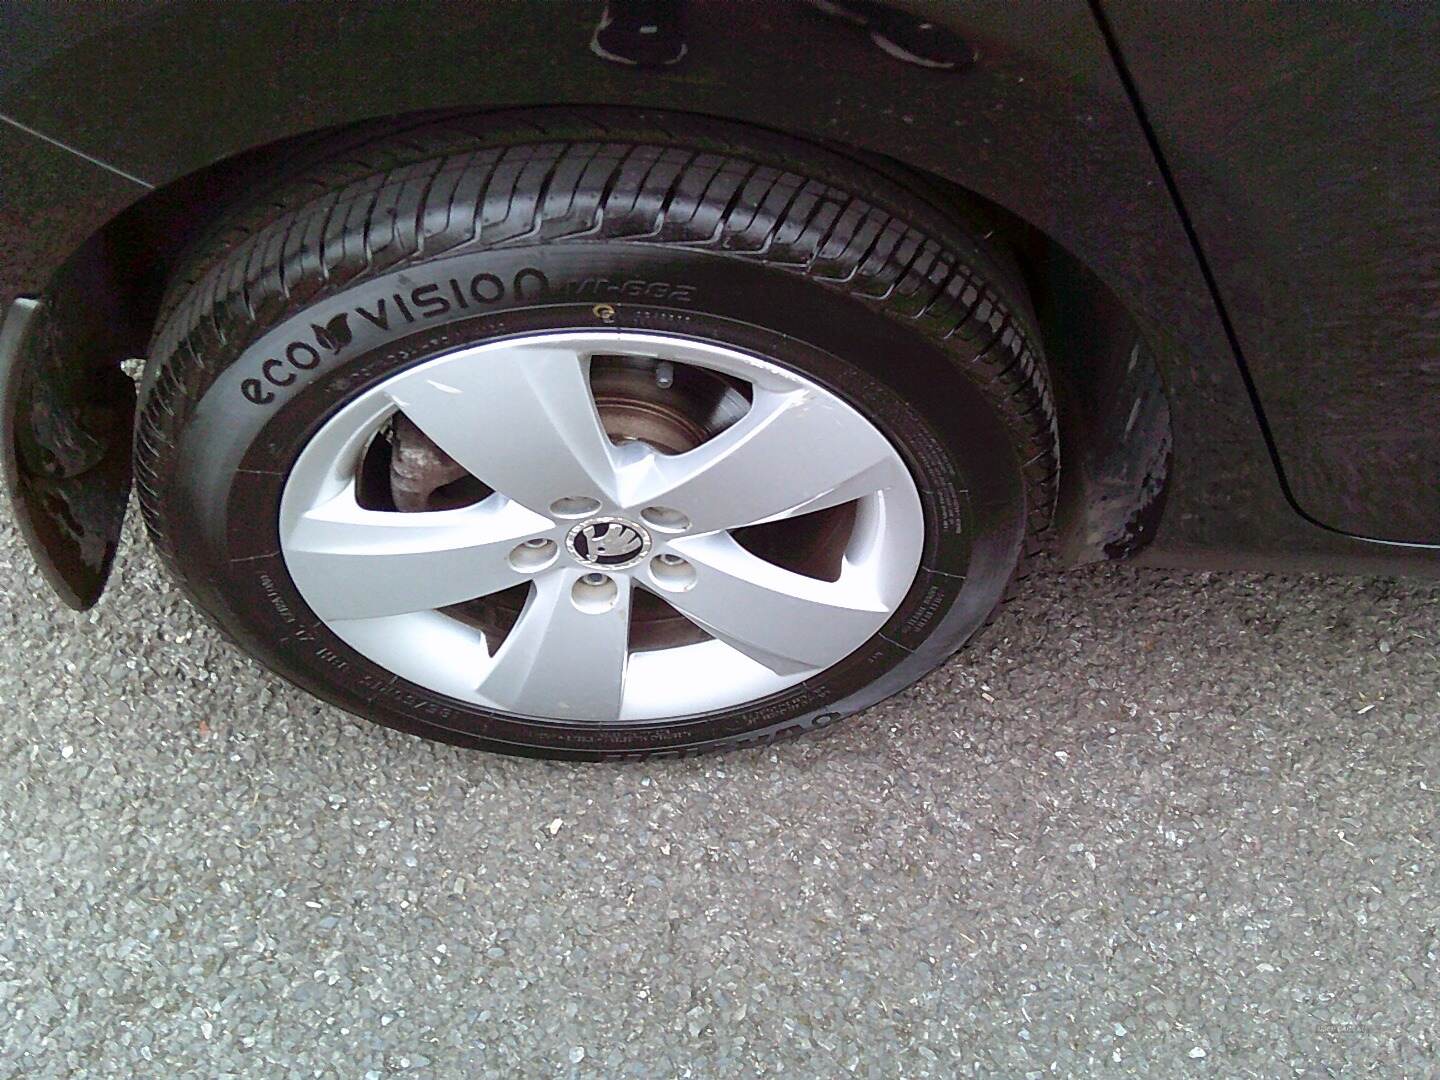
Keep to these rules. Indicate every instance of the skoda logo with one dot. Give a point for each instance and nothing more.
(613, 543)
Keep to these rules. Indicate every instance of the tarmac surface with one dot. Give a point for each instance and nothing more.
(1153, 824)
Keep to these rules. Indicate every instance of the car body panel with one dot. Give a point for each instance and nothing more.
(1041, 124)
(1305, 140)
(51, 202)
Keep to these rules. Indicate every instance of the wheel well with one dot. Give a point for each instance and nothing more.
(1114, 419)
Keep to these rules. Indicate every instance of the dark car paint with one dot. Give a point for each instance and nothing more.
(1043, 125)
(1308, 157)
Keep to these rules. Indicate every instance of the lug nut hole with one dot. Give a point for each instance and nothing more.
(671, 572)
(595, 593)
(573, 506)
(535, 554)
(665, 519)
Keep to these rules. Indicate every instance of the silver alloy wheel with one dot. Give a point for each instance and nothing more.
(585, 521)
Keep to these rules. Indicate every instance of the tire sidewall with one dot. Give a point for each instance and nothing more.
(276, 390)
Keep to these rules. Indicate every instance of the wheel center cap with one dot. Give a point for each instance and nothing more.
(610, 543)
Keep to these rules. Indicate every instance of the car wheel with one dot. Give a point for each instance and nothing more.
(596, 435)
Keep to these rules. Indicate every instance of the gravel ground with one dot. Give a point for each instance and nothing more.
(1156, 824)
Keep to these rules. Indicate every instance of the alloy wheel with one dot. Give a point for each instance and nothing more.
(617, 527)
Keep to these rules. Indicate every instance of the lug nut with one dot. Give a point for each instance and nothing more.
(670, 559)
(594, 579)
(538, 542)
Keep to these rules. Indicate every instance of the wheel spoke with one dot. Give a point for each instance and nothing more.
(521, 419)
(792, 453)
(561, 661)
(786, 621)
(353, 563)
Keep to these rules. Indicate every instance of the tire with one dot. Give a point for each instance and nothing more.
(596, 222)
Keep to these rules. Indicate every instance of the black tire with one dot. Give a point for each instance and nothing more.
(761, 242)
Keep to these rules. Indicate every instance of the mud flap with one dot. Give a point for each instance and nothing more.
(65, 429)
